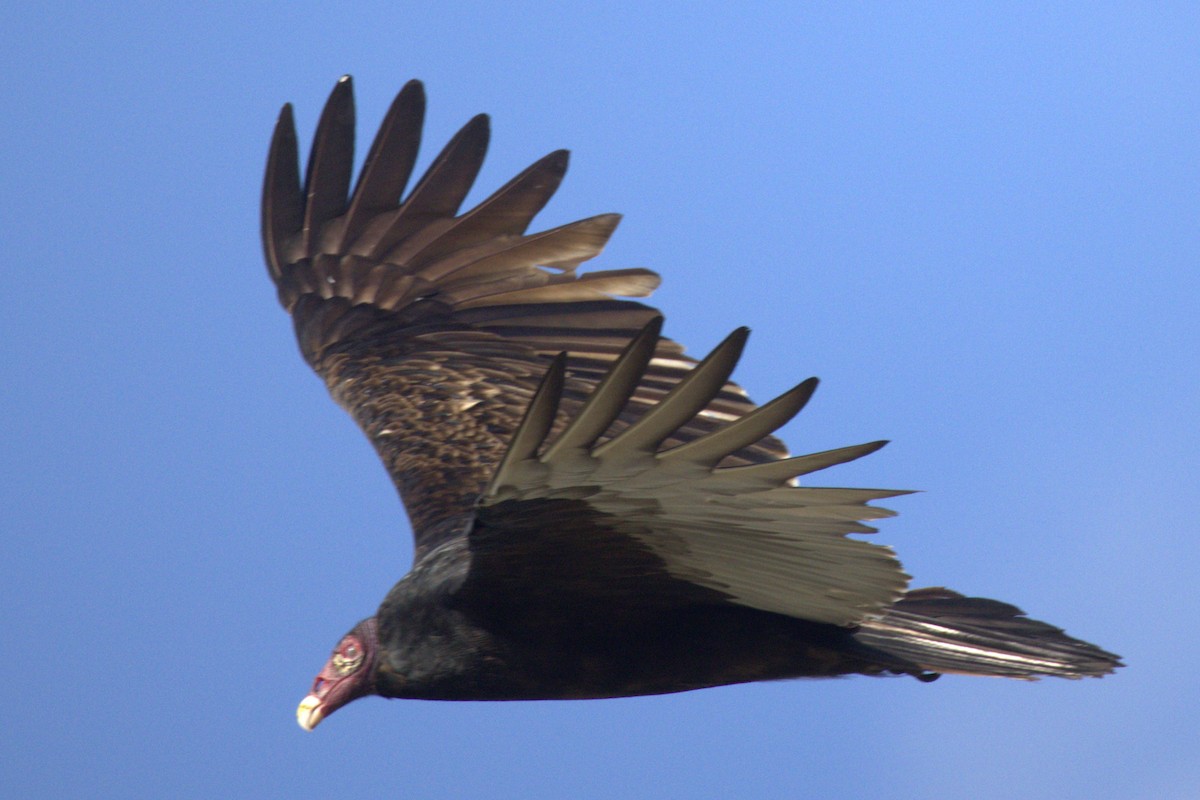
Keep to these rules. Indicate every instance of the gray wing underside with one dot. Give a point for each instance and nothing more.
(659, 521)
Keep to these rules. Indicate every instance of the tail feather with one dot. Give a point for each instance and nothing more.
(943, 631)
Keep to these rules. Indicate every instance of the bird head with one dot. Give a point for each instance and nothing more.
(348, 675)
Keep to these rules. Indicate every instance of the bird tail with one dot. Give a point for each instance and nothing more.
(943, 631)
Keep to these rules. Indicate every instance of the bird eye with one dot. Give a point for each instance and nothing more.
(348, 657)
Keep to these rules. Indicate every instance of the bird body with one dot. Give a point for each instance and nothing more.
(464, 648)
(595, 514)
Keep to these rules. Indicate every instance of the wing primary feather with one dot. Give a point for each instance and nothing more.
(439, 192)
(513, 206)
(283, 199)
(535, 425)
(507, 212)
(562, 248)
(389, 162)
(330, 164)
(788, 468)
(608, 399)
(445, 184)
(709, 450)
(695, 391)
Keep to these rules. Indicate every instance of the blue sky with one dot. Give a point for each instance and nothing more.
(977, 226)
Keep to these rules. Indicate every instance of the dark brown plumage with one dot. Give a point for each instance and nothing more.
(595, 514)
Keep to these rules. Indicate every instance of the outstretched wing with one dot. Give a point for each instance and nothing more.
(631, 521)
(433, 328)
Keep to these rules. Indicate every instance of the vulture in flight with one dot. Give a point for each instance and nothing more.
(595, 514)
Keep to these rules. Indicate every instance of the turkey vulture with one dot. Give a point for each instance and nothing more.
(595, 514)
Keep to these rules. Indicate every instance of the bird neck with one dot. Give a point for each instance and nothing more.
(427, 646)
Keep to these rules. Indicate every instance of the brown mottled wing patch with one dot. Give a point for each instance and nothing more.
(433, 327)
(639, 522)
